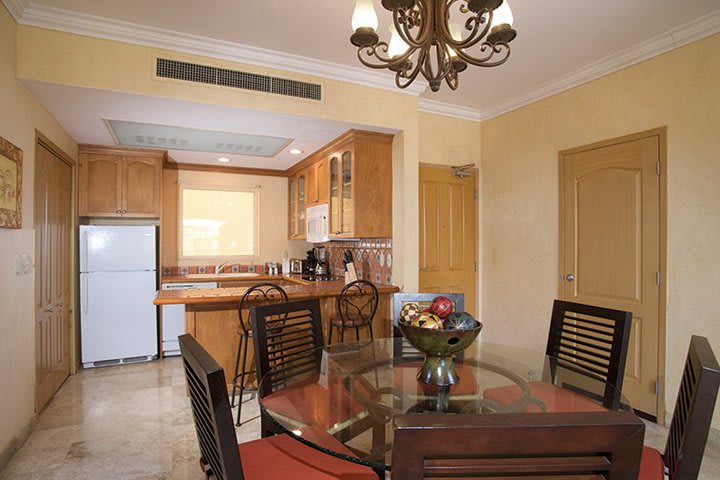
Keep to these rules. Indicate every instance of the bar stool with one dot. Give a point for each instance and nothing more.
(356, 307)
(260, 293)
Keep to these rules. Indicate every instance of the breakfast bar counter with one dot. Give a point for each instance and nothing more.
(211, 314)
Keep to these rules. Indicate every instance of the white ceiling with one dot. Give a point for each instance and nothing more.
(81, 112)
(560, 43)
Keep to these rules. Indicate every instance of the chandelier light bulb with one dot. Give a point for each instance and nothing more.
(456, 34)
(397, 45)
(502, 15)
(364, 15)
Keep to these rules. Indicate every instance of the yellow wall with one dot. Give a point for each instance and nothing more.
(680, 90)
(20, 116)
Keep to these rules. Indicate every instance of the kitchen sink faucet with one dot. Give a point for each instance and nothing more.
(220, 266)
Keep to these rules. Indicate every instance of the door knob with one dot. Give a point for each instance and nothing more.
(570, 277)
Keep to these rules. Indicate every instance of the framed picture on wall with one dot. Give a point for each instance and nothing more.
(10, 185)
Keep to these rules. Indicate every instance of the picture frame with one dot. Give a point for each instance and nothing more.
(11, 158)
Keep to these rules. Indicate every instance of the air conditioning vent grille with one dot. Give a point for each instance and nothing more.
(193, 72)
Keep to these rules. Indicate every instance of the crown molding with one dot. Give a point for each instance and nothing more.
(449, 110)
(16, 8)
(677, 37)
(90, 25)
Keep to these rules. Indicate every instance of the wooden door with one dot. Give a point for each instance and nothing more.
(100, 185)
(53, 226)
(311, 186)
(610, 250)
(141, 187)
(448, 234)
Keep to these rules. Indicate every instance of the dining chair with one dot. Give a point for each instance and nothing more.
(356, 304)
(587, 340)
(261, 292)
(691, 419)
(603, 445)
(279, 457)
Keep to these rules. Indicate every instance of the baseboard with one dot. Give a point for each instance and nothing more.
(16, 443)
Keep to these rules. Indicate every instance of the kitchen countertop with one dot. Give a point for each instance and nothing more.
(302, 289)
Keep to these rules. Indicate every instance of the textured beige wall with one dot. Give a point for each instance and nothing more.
(20, 116)
(680, 90)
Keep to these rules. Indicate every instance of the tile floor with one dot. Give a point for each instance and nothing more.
(134, 423)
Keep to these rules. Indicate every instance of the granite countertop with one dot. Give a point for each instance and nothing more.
(301, 289)
(229, 277)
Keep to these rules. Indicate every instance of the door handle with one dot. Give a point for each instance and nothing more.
(570, 277)
(87, 294)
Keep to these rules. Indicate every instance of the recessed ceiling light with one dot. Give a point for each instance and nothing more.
(223, 160)
(296, 151)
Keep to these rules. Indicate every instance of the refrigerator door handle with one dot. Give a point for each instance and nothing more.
(84, 257)
(86, 297)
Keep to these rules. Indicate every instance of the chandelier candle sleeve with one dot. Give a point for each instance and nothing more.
(424, 40)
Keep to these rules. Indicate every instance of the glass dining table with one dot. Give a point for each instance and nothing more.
(343, 401)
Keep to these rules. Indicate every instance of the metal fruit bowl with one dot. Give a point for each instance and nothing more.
(439, 347)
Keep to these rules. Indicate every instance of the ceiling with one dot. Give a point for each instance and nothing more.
(560, 43)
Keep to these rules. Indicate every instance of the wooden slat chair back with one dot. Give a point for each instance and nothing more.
(693, 411)
(211, 411)
(401, 348)
(592, 341)
(603, 445)
(287, 340)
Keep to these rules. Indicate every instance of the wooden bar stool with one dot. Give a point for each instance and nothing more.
(260, 293)
(356, 307)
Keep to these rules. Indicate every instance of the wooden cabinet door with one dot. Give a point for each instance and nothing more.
(322, 188)
(100, 185)
(311, 186)
(141, 187)
(335, 193)
(346, 186)
(301, 204)
(292, 208)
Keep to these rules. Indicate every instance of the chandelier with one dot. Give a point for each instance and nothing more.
(437, 38)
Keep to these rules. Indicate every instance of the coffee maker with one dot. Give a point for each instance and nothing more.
(322, 269)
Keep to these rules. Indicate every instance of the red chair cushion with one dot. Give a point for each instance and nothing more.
(405, 378)
(556, 399)
(282, 457)
(313, 404)
(652, 466)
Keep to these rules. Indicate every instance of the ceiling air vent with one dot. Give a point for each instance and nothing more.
(194, 72)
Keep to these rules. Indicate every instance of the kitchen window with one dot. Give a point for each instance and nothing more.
(218, 222)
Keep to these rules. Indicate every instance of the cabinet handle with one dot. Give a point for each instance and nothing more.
(124, 211)
(119, 211)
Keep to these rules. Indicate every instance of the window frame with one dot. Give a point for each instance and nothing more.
(254, 189)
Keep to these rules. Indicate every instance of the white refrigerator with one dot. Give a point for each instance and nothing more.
(118, 281)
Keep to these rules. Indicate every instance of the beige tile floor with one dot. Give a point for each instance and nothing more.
(134, 423)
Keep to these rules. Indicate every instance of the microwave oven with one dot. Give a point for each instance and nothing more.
(317, 224)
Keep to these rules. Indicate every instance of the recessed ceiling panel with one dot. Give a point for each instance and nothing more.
(149, 135)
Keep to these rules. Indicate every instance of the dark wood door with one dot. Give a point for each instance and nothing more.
(53, 226)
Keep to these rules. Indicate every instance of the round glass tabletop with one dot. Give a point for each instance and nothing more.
(342, 398)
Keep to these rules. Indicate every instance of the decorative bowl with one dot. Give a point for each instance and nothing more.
(439, 347)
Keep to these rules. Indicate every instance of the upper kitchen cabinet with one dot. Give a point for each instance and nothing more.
(297, 202)
(318, 186)
(119, 183)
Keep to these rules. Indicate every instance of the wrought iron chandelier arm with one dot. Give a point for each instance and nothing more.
(472, 24)
(409, 74)
(376, 52)
(485, 61)
(405, 21)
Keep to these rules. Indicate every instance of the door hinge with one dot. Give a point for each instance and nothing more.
(476, 265)
(475, 194)
(657, 278)
(657, 388)
(658, 167)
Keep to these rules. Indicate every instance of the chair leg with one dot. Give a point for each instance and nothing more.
(370, 330)
(235, 375)
(342, 334)
(357, 333)
(330, 334)
(242, 378)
